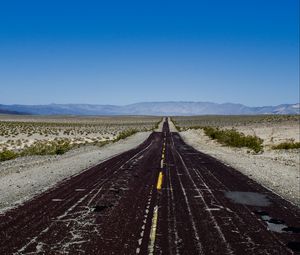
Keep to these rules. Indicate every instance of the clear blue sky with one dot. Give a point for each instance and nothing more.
(120, 52)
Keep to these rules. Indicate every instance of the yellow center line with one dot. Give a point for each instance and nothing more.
(155, 213)
(163, 156)
(159, 181)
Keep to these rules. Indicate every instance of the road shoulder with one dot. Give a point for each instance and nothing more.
(276, 172)
(23, 178)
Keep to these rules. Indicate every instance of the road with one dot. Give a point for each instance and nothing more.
(163, 197)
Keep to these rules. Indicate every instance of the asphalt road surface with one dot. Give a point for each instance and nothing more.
(163, 197)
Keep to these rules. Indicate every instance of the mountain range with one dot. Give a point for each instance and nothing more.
(150, 108)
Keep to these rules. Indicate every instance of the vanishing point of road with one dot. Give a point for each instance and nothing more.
(162, 197)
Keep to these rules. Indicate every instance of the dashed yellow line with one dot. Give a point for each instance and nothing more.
(159, 181)
(164, 146)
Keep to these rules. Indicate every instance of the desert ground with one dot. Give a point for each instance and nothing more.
(278, 170)
(18, 132)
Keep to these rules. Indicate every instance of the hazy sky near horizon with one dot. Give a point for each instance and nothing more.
(121, 52)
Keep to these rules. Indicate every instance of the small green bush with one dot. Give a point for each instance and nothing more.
(155, 127)
(287, 146)
(7, 155)
(124, 134)
(180, 129)
(47, 148)
(63, 148)
(233, 138)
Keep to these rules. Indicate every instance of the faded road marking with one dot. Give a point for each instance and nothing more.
(57, 200)
(138, 249)
(153, 231)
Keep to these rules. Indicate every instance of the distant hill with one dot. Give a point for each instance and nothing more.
(10, 112)
(151, 108)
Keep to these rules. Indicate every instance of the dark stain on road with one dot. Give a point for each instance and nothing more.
(295, 230)
(248, 198)
(100, 208)
(295, 246)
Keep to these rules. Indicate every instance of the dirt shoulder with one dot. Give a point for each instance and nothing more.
(171, 126)
(276, 170)
(160, 126)
(23, 178)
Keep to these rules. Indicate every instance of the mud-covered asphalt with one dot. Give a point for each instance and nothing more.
(163, 197)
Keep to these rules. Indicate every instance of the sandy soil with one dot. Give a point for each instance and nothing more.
(172, 126)
(23, 178)
(277, 170)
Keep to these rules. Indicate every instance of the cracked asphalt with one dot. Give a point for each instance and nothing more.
(163, 197)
